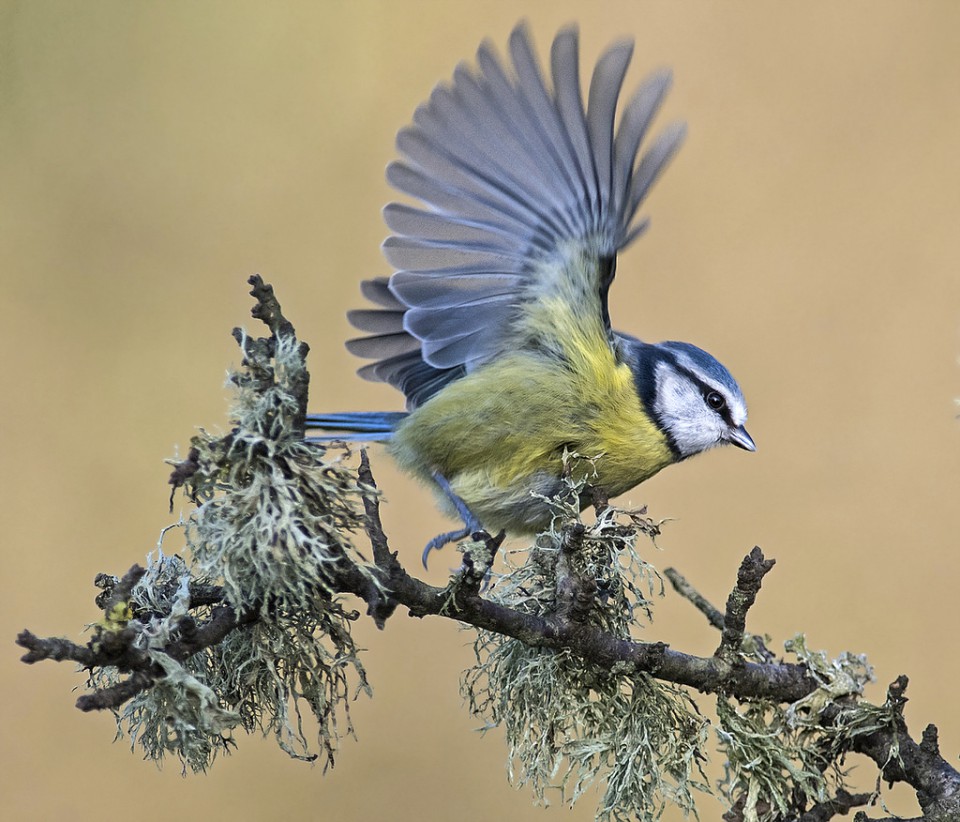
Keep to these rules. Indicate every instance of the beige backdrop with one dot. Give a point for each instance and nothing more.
(155, 155)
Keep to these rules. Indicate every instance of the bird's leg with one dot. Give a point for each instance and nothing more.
(470, 522)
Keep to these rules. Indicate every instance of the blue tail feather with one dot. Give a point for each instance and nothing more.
(365, 426)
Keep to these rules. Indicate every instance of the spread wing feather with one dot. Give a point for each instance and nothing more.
(400, 358)
(511, 174)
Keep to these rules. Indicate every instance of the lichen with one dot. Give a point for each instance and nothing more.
(273, 515)
(570, 725)
(779, 758)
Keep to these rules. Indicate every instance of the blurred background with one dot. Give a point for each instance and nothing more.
(153, 156)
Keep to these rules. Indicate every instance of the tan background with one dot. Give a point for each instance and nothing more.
(152, 156)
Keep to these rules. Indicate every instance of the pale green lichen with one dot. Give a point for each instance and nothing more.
(570, 725)
(274, 515)
(779, 754)
(181, 713)
(278, 512)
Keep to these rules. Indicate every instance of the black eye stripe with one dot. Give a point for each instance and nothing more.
(723, 410)
(706, 390)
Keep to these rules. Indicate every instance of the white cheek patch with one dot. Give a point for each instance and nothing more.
(680, 409)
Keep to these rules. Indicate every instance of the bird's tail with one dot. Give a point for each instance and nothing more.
(357, 426)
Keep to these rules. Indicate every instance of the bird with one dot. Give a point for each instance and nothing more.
(495, 324)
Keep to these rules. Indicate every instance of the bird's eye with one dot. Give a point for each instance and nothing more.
(714, 400)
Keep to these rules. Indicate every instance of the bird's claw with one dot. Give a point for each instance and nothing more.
(444, 539)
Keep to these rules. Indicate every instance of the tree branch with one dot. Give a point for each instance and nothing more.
(779, 681)
(899, 757)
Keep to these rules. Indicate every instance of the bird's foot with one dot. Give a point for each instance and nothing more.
(444, 539)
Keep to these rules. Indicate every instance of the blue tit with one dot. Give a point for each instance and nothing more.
(496, 322)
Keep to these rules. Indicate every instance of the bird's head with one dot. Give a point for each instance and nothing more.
(693, 399)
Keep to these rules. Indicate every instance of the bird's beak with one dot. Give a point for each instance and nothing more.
(739, 437)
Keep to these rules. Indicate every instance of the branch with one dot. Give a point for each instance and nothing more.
(55, 648)
(840, 805)
(899, 757)
(115, 648)
(781, 681)
(902, 759)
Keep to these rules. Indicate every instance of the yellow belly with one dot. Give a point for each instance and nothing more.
(498, 435)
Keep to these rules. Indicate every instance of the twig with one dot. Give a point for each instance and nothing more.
(114, 696)
(575, 593)
(267, 309)
(713, 614)
(55, 648)
(371, 506)
(474, 573)
(749, 578)
(120, 593)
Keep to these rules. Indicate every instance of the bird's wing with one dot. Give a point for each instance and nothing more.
(398, 355)
(526, 194)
